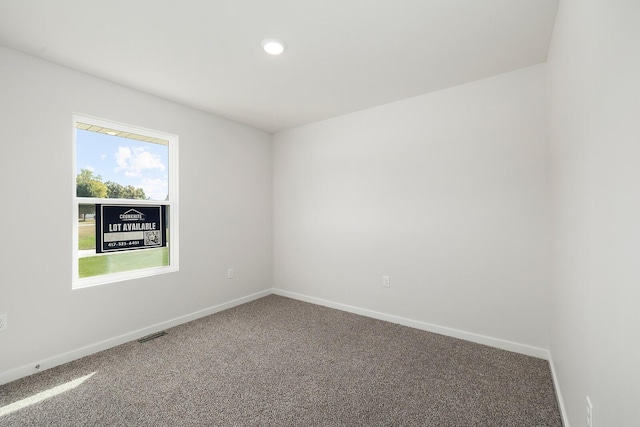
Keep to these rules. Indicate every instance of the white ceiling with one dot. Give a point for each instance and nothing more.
(342, 55)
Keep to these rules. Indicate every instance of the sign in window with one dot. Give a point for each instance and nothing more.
(129, 227)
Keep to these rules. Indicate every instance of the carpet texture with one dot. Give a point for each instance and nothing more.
(281, 362)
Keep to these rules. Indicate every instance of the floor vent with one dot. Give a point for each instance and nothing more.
(152, 336)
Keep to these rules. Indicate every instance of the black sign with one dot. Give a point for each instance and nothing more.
(130, 227)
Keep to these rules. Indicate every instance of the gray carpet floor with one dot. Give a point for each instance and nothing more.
(280, 362)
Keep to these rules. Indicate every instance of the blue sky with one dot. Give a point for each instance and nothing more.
(125, 161)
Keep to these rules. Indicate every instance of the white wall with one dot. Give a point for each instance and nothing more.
(594, 67)
(225, 213)
(446, 193)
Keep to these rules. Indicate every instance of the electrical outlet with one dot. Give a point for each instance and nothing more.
(386, 281)
(3, 322)
(589, 413)
(229, 273)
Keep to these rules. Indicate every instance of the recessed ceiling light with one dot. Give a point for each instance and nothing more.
(273, 46)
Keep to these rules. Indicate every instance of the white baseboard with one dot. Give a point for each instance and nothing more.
(556, 384)
(29, 369)
(455, 333)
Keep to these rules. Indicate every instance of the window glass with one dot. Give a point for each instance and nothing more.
(125, 202)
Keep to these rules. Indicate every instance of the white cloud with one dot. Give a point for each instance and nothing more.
(103, 156)
(156, 189)
(133, 161)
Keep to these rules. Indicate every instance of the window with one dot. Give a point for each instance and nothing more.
(125, 202)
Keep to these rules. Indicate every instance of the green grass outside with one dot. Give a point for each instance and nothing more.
(114, 262)
(87, 234)
(123, 261)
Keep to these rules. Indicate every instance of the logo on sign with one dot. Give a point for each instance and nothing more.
(132, 215)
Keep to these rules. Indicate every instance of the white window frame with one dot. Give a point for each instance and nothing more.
(171, 202)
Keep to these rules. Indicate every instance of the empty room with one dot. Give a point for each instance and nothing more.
(299, 213)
